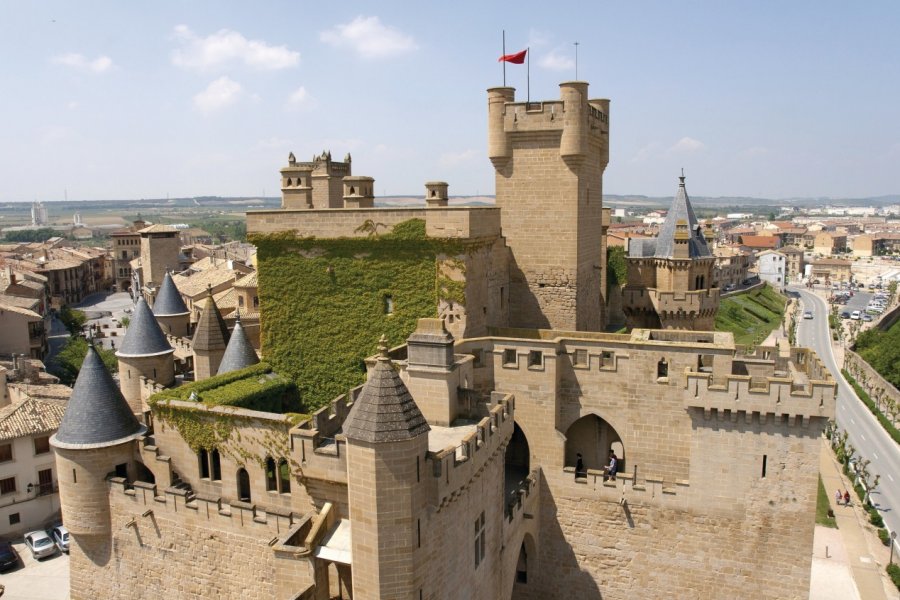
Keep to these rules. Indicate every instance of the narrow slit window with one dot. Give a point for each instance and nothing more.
(764, 460)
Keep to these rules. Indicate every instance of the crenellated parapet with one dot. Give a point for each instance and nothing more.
(455, 467)
(318, 444)
(743, 396)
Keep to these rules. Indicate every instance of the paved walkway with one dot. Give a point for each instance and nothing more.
(865, 559)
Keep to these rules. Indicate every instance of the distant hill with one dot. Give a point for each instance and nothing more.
(741, 201)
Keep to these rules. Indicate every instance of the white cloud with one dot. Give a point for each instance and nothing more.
(301, 98)
(219, 94)
(452, 159)
(686, 145)
(369, 38)
(101, 64)
(557, 61)
(651, 150)
(224, 47)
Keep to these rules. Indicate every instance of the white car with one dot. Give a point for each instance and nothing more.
(855, 315)
(60, 537)
(808, 315)
(40, 544)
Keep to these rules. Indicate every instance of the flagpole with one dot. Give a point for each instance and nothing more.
(504, 54)
(528, 66)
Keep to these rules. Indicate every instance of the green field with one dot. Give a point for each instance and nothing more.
(751, 316)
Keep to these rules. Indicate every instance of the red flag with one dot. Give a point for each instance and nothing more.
(517, 59)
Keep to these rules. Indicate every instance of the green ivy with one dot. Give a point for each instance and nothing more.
(324, 300)
(616, 267)
(253, 388)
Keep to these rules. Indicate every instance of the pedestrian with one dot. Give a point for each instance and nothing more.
(846, 498)
(838, 496)
(613, 466)
(580, 471)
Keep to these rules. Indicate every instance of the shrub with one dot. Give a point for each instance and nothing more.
(884, 536)
(875, 518)
(894, 571)
(73, 319)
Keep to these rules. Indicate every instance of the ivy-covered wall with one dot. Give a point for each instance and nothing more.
(325, 302)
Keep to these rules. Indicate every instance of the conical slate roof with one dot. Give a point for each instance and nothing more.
(144, 336)
(168, 301)
(239, 354)
(97, 415)
(211, 332)
(385, 410)
(681, 211)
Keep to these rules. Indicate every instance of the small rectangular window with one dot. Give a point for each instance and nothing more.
(388, 305)
(607, 359)
(7, 486)
(509, 357)
(479, 540)
(42, 444)
(581, 358)
(535, 358)
(5, 453)
(14, 519)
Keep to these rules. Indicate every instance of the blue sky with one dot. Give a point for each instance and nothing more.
(114, 100)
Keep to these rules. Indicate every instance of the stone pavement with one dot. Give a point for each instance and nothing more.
(46, 579)
(860, 548)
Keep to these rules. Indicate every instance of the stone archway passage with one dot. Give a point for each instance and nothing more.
(517, 462)
(593, 438)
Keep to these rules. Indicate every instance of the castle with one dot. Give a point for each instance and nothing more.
(450, 467)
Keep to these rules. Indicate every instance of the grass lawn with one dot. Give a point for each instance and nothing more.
(751, 316)
(822, 507)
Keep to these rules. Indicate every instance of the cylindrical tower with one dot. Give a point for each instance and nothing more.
(170, 311)
(499, 147)
(95, 438)
(573, 144)
(145, 352)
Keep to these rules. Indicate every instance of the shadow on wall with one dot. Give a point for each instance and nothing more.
(560, 574)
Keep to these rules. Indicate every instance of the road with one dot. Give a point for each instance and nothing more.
(866, 435)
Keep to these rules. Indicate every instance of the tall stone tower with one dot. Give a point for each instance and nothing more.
(210, 340)
(549, 159)
(314, 184)
(670, 276)
(387, 440)
(144, 352)
(170, 310)
(160, 248)
(95, 438)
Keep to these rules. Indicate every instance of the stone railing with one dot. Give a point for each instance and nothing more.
(653, 490)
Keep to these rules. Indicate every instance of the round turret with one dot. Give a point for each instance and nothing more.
(145, 353)
(499, 147)
(95, 438)
(170, 311)
(573, 143)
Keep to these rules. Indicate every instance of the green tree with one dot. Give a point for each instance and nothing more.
(616, 267)
(69, 359)
(31, 235)
(73, 319)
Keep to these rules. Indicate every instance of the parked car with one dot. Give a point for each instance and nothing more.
(729, 287)
(867, 317)
(808, 315)
(845, 314)
(855, 315)
(9, 559)
(60, 537)
(40, 544)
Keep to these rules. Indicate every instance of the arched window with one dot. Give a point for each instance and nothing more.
(271, 479)
(203, 459)
(284, 476)
(243, 483)
(216, 465)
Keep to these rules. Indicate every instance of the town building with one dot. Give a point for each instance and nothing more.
(32, 404)
(829, 243)
(831, 270)
(795, 262)
(771, 266)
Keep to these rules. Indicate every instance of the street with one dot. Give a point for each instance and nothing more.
(866, 435)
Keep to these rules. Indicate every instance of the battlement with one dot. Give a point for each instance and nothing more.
(318, 441)
(142, 500)
(580, 122)
(458, 222)
(652, 490)
(456, 466)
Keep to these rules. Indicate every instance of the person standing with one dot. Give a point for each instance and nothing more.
(580, 471)
(838, 496)
(613, 466)
(846, 498)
